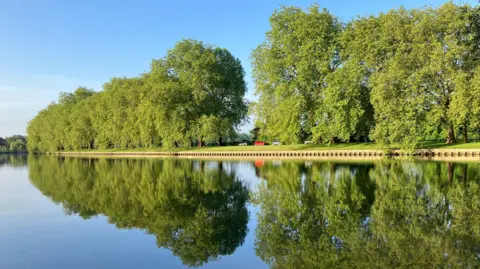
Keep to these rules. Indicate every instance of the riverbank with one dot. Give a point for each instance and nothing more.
(298, 147)
(341, 151)
(13, 152)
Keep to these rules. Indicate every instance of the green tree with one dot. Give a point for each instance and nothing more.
(419, 63)
(196, 91)
(3, 145)
(18, 145)
(290, 69)
(13, 143)
(344, 110)
(215, 81)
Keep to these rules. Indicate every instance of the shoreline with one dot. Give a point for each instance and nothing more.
(431, 154)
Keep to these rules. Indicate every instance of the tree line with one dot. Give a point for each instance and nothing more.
(14, 143)
(194, 94)
(398, 78)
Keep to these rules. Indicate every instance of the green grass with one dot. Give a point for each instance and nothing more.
(473, 145)
(343, 146)
(339, 146)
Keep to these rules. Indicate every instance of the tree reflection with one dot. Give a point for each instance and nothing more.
(309, 214)
(198, 213)
(388, 214)
(13, 160)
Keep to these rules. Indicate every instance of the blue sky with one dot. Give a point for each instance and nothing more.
(55, 45)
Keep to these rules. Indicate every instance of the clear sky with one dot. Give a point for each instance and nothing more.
(51, 46)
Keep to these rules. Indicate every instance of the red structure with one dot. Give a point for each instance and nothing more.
(259, 143)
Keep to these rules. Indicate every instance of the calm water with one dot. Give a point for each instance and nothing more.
(159, 213)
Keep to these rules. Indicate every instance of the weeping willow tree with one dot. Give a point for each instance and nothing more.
(199, 213)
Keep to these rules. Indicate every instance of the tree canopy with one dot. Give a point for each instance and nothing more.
(14, 143)
(399, 77)
(195, 93)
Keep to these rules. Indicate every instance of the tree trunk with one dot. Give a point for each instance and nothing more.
(332, 140)
(450, 135)
(176, 144)
(200, 142)
(220, 141)
(465, 132)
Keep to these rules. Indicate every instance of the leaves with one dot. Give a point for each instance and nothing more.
(399, 77)
(195, 92)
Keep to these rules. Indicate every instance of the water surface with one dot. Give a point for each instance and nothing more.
(180, 213)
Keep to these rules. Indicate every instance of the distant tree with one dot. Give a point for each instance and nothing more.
(18, 145)
(13, 143)
(3, 144)
(14, 138)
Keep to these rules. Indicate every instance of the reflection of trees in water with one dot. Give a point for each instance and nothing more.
(378, 215)
(196, 212)
(13, 160)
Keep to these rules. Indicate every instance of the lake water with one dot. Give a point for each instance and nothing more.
(179, 213)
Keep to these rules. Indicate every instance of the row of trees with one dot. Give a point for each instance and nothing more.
(396, 78)
(14, 143)
(194, 94)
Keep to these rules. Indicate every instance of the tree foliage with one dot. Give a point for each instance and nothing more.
(195, 92)
(14, 143)
(399, 77)
(290, 69)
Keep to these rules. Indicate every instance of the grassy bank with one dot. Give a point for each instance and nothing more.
(340, 146)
